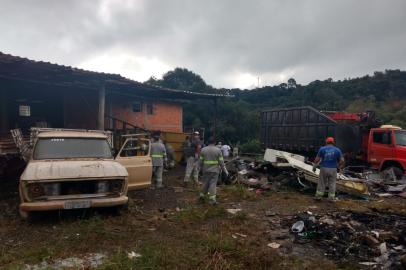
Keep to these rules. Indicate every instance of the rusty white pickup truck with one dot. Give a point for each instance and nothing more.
(70, 169)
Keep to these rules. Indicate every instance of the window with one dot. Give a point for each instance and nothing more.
(135, 147)
(382, 137)
(400, 137)
(137, 106)
(62, 148)
(24, 110)
(150, 108)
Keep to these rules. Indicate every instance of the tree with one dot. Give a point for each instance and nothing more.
(283, 86)
(183, 79)
(292, 83)
(152, 81)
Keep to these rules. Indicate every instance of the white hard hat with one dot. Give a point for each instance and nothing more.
(197, 133)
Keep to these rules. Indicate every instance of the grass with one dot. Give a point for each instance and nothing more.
(65, 238)
(238, 192)
(208, 251)
(239, 218)
(193, 214)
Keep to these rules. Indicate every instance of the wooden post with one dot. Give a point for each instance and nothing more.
(102, 105)
(109, 104)
(4, 127)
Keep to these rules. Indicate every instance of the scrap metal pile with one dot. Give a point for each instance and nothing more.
(374, 240)
(280, 165)
(386, 184)
(248, 171)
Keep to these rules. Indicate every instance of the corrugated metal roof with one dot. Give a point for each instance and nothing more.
(31, 71)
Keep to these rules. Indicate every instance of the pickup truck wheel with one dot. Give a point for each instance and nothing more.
(28, 216)
(118, 210)
(396, 170)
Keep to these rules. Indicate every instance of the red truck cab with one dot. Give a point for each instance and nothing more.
(387, 149)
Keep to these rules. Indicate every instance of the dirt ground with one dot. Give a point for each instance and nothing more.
(168, 229)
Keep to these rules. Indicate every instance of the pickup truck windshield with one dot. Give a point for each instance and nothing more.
(61, 148)
(400, 137)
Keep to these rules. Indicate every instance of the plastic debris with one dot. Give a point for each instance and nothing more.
(274, 245)
(233, 211)
(327, 220)
(368, 263)
(298, 227)
(312, 219)
(133, 255)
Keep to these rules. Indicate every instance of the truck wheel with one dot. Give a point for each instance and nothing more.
(118, 210)
(28, 216)
(396, 170)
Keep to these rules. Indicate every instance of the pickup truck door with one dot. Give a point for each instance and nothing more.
(134, 155)
(381, 147)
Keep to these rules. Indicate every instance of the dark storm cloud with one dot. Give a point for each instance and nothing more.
(229, 43)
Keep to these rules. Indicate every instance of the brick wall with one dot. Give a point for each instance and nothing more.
(165, 116)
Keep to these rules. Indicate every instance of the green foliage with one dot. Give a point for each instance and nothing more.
(182, 79)
(239, 117)
(252, 146)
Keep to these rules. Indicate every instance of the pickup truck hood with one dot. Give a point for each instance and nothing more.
(68, 169)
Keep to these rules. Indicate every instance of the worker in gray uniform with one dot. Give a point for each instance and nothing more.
(191, 150)
(158, 156)
(211, 159)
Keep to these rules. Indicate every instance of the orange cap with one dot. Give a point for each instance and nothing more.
(329, 140)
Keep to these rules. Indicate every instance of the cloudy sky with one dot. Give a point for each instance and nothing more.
(230, 43)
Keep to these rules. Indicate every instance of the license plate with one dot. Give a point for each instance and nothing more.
(77, 204)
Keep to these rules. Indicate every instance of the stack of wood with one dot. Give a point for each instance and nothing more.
(8, 146)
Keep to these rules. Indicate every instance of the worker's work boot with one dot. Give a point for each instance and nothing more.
(332, 198)
(201, 199)
(196, 180)
(159, 184)
(319, 195)
(213, 202)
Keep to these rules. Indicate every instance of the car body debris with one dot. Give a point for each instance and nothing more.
(284, 168)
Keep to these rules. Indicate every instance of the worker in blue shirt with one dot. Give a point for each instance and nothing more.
(329, 157)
